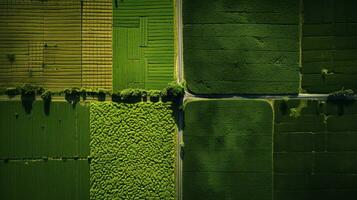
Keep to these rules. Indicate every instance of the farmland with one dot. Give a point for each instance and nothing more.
(227, 149)
(244, 47)
(133, 151)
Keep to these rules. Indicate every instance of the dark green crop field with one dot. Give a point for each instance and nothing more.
(43, 155)
(42, 180)
(231, 152)
(133, 151)
(239, 46)
(63, 132)
(329, 46)
(228, 145)
(315, 150)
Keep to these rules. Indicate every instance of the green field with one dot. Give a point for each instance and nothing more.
(231, 153)
(43, 155)
(97, 102)
(91, 150)
(329, 46)
(231, 150)
(143, 44)
(133, 150)
(245, 47)
(315, 152)
(64, 132)
(227, 153)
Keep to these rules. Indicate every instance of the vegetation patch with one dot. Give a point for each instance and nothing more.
(132, 150)
(173, 92)
(342, 94)
(296, 112)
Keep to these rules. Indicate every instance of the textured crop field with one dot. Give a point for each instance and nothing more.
(232, 153)
(133, 151)
(100, 151)
(329, 46)
(143, 44)
(264, 105)
(228, 150)
(240, 46)
(315, 151)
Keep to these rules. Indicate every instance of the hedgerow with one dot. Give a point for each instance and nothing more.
(173, 92)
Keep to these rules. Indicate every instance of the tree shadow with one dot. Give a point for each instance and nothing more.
(27, 99)
(47, 106)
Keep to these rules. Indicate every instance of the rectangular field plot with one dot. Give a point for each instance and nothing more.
(51, 179)
(329, 46)
(315, 150)
(143, 44)
(228, 150)
(60, 131)
(240, 46)
(133, 150)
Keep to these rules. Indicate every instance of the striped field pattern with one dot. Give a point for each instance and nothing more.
(55, 44)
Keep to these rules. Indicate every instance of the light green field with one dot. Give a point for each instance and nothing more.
(133, 151)
(143, 44)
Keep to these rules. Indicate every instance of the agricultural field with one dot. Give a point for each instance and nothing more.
(56, 44)
(241, 47)
(88, 150)
(329, 46)
(232, 150)
(43, 155)
(133, 150)
(99, 101)
(315, 150)
(227, 149)
(255, 47)
(143, 44)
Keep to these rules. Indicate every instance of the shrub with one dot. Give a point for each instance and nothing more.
(13, 91)
(72, 95)
(131, 95)
(154, 95)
